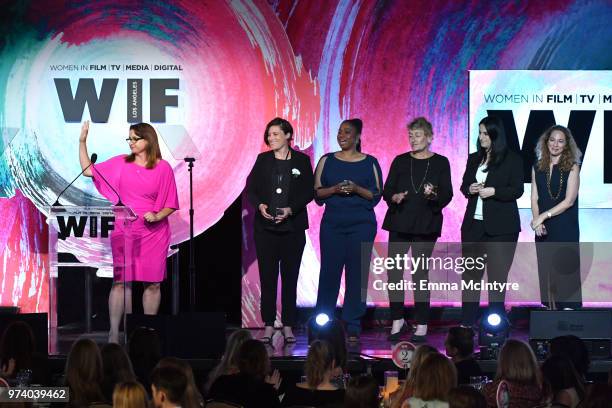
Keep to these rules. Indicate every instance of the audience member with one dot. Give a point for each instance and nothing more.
(518, 368)
(168, 386)
(562, 382)
(117, 368)
(229, 361)
(406, 391)
(362, 392)
(144, 349)
(192, 397)
(599, 396)
(317, 390)
(255, 388)
(574, 348)
(84, 374)
(129, 394)
(17, 355)
(460, 348)
(437, 376)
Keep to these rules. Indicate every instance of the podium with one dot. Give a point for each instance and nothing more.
(86, 233)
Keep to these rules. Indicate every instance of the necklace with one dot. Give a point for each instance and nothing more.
(416, 190)
(548, 177)
(279, 175)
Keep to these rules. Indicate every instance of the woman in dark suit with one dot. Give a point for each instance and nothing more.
(280, 186)
(417, 189)
(492, 182)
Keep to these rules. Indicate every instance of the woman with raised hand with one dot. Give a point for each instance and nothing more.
(145, 182)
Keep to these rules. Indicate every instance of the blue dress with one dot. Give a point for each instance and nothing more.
(347, 233)
(558, 251)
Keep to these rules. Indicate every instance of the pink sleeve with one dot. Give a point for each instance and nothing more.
(111, 171)
(167, 197)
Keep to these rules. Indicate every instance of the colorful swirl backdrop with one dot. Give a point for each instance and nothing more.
(244, 62)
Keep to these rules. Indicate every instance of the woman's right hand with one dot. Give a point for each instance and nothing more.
(475, 188)
(264, 213)
(84, 132)
(399, 197)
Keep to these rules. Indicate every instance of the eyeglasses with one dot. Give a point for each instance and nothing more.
(133, 139)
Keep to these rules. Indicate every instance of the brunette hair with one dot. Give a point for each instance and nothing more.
(148, 133)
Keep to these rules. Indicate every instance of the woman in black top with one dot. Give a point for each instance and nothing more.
(416, 191)
(492, 182)
(250, 387)
(280, 186)
(555, 179)
(317, 390)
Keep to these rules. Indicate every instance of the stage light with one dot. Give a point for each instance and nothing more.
(493, 331)
(494, 319)
(322, 319)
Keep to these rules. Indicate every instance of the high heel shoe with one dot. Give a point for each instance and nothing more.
(397, 336)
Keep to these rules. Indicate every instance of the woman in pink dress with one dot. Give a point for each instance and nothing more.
(145, 183)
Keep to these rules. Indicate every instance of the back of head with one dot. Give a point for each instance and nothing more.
(116, 363)
(559, 373)
(334, 334)
(129, 394)
(229, 361)
(320, 360)
(84, 372)
(192, 397)
(466, 397)
(17, 343)
(144, 349)
(462, 339)
(419, 356)
(171, 381)
(574, 348)
(517, 363)
(253, 359)
(436, 377)
(362, 392)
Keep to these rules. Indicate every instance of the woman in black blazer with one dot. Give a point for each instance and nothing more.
(280, 186)
(492, 182)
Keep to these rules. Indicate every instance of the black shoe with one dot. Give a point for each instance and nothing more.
(397, 336)
(415, 338)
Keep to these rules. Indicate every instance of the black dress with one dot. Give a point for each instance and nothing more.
(415, 223)
(297, 396)
(558, 251)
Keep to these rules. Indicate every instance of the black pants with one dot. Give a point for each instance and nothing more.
(498, 253)
(422, 246)
(559, 274)
(276, 249)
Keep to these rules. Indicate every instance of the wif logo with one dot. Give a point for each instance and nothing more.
(72, 226)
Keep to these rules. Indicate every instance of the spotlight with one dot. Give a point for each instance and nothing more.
(322, 326)
(322, 319)
(494, 330)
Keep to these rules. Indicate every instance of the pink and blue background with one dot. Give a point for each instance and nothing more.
(245, 62)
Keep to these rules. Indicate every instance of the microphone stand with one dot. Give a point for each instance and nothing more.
(191, 269)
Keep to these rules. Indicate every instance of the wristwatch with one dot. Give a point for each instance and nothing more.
(548, 214)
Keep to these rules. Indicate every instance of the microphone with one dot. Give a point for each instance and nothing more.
(92, 160)
(119, 203)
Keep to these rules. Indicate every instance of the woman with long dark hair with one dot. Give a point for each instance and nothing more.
(555, 180)
(279, 187)
(417, 189)
(145, 182)
(492, 182)
(349, 183)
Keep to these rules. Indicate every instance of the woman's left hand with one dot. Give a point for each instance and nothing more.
(274, 379)
(486, 192)
(286, 212)
(151, 217)
(349, 188)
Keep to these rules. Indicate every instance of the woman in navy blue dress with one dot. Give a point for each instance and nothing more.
(349, 183)
(555, 179)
